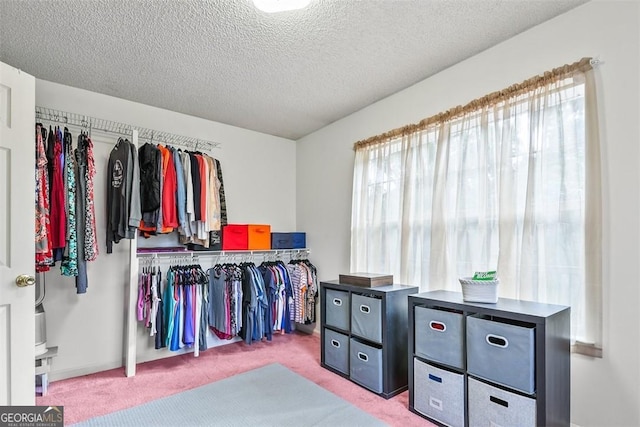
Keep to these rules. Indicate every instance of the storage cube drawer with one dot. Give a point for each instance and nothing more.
(298, 240)
(501, 352)
(365, 365)
(337, 309)
(235, 237)
(366, 317)
(336, 351)
(259, 237)
(439, 336)
(281, 241)
(491, 406)
(439, 394)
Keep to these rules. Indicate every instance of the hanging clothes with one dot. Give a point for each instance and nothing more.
(65, 212)
(123, 193)
(87, 169)
(58, 213)
(304, 282)
(150, 162)
(69, 265)
(176, 316)
(225, 300)
(204, 203)
(44, 254)
(281, 296)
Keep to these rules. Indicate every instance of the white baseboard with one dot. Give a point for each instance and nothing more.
(85, 370)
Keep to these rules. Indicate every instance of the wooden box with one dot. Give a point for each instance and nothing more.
(366, 280)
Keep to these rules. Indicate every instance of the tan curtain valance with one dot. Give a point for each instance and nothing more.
(491, 99)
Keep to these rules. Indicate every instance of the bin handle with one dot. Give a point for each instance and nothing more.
(363, 356)
(335, 343)
(365, 309)
(434, 378)
(436, 403)
(337, 301)
(437, 326)
(497, 341)
(499, 401)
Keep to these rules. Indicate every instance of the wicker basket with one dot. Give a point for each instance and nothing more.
(479, 290)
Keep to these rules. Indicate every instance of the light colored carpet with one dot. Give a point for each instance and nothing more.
(268, 396)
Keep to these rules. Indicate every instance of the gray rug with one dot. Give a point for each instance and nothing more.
(268, 396)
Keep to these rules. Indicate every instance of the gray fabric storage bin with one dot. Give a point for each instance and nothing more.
(491, 406)
(337, 309)
(366, 317)
(501, 352)
(439, 394)
(365, 365)
(439, 336)
(336, 350)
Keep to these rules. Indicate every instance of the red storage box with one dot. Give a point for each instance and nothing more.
(235, 237)
(259, 237)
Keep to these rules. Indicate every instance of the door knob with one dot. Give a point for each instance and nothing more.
(25, 280)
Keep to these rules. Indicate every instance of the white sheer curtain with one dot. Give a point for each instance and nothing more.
(513, 185)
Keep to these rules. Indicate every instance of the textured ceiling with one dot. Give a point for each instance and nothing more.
(285, 74)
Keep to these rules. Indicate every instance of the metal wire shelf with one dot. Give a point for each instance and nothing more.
(89, 124)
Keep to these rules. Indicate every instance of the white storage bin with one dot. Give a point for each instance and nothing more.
(479, 290)
(491, 406)
(336, 350)
(337, 308)
(439, 394)
(366, 317)
(439, 336)
(501, 352)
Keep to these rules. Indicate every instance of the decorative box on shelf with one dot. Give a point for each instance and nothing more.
(291, 240)
(366, 280)
(259, 237)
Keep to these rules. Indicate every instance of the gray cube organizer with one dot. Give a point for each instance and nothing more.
(375, 332)
(516, 360)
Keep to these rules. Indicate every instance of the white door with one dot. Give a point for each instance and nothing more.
(17, 235)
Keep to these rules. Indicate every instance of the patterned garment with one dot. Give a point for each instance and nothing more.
(90, 235)
(44, 254)
(69, 265)
(223, 199)
(57, 214)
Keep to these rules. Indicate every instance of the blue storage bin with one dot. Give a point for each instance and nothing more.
(299, 240)
(281, 241)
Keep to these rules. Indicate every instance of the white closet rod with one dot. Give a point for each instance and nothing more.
(95, 124)
(222, 254)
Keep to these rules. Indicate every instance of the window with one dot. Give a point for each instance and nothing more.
(510, 185)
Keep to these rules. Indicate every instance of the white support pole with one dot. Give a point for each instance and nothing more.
(131, 290)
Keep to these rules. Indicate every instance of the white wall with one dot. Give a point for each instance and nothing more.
(605, 391)
(88, 328)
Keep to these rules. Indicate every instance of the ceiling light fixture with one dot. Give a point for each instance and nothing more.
(273, 6)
